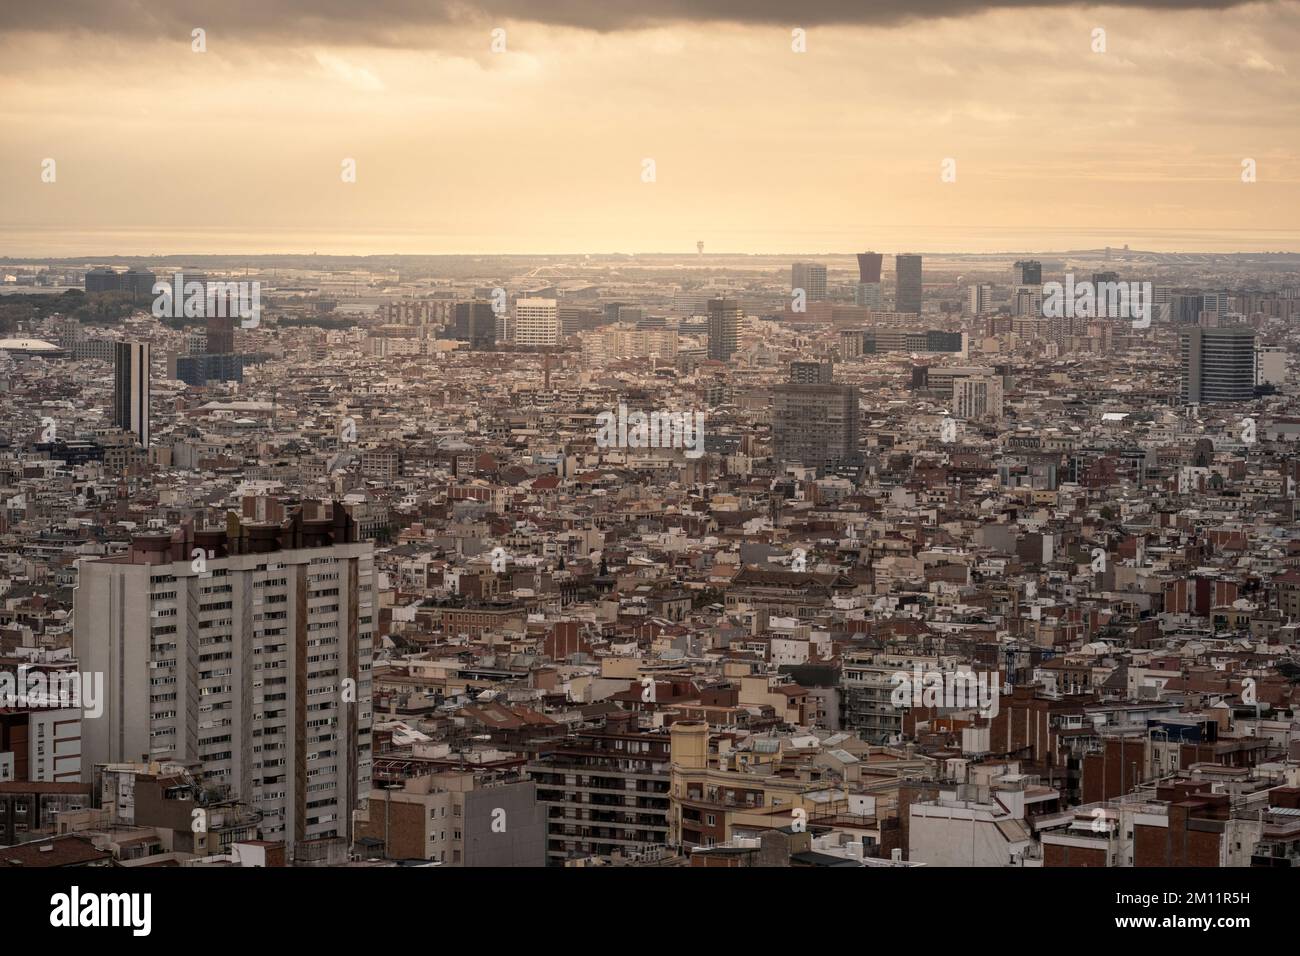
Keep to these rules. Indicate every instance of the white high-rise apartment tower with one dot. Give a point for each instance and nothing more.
(246, 651)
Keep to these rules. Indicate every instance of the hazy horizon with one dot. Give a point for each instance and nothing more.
(1211, 244)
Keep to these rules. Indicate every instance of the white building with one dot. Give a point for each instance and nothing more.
(977, 397)
(255, 664)
(621, 342)
(1270, 365)
(981, 298)
(537, 322)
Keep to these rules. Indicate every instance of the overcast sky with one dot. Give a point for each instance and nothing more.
(541, 148)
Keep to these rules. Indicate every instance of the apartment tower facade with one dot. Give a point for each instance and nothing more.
(246, 650)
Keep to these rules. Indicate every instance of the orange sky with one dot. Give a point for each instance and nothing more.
(757, 148)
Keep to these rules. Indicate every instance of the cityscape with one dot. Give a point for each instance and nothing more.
(969, 543)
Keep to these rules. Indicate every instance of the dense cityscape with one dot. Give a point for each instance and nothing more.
(483, 458)
(868, 561)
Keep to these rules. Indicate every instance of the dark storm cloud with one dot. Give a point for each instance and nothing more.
(416, 22)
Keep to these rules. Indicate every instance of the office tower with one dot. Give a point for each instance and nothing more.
(1099, 277)
(1027, 287)
(869, 265)
(537, 322)
(137, 282)
(724, 326)
(907, 279)
(1216, 303)
(102, 280)
(812, 373)
(981, 298)
(579, 318)
(868, 292)
(938, 340)
(977, 396)
(1027, 272)
(131, 389)
(1218, 364)
(1028, 301)
(253, 663)
(475, 322)
(811, 278)
(815, 425)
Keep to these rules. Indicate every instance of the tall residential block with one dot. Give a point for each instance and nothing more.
(810, 277)
(977, 397)
(724, 326)
(815, 426)
(245, 650)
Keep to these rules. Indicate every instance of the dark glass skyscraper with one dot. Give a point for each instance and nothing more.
(1027, 272)
(869, 266)
(1218, 364)
(475, 323)
(138, 282)
(907, 276)
(131, 389)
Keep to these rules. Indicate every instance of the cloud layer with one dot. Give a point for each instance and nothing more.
(415, 22)
(757, 147)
